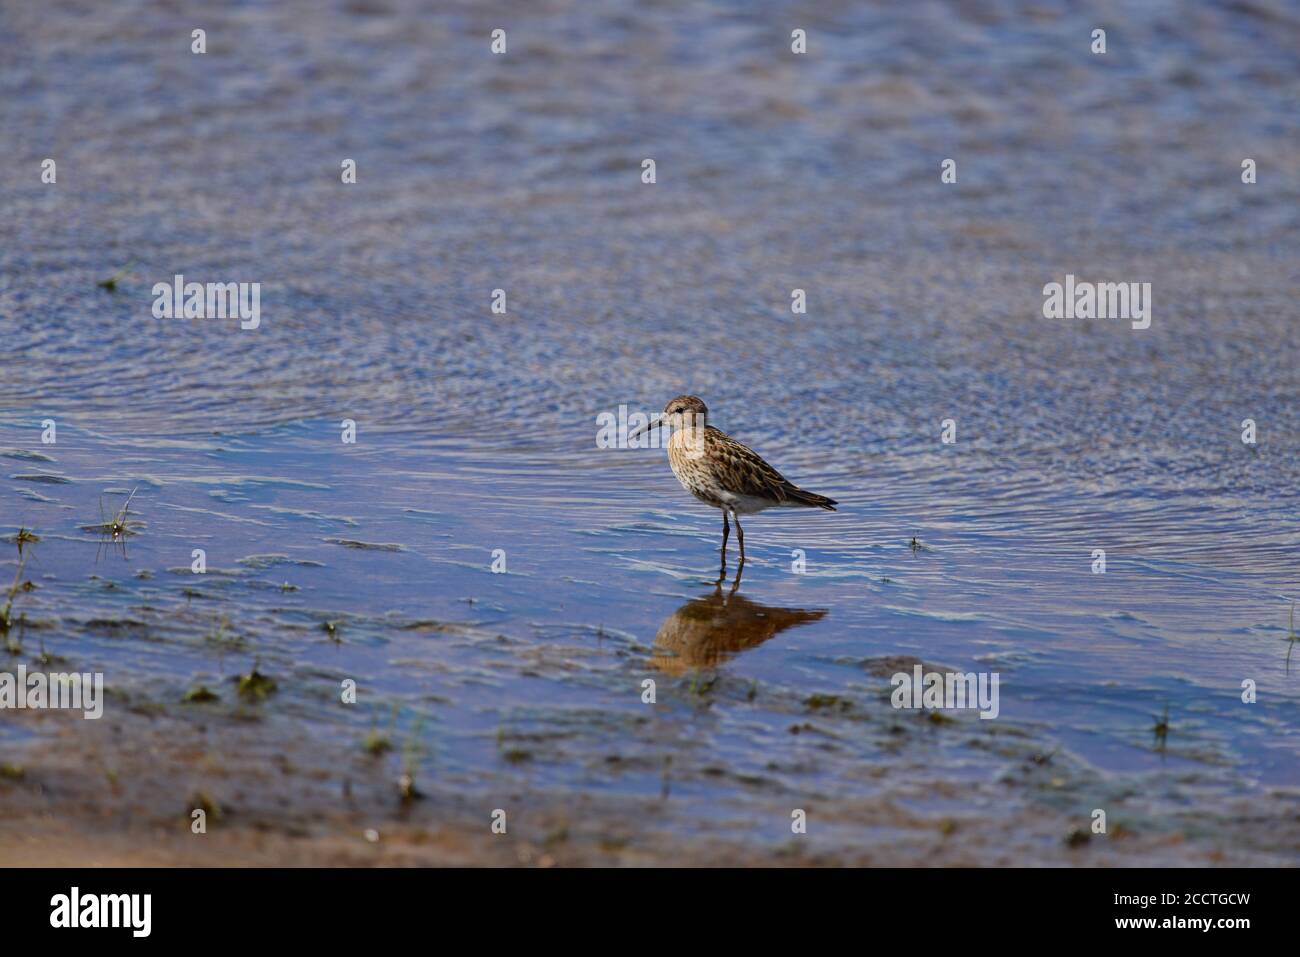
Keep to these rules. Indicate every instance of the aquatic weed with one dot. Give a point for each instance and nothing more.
(379, 743)
(116, 528)
(111, 282)
(256, 685)
(1077, 838)
(45, 658)
(6, 613)
(25, 536)
(1291, 637)
(411, 756)
(201, 801)
(820, 701)
(1161, 728)
(702, 688)
(223, 638)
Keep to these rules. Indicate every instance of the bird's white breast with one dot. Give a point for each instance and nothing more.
(700, 483)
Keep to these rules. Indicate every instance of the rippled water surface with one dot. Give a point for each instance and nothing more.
(477, 431)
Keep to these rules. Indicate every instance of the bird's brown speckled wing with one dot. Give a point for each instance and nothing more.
(741, 469)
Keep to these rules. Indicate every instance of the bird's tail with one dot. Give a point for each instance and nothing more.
(812, 499)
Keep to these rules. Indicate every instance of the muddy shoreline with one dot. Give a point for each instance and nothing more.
(121, 792)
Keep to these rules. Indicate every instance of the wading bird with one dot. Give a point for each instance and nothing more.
(722, 472)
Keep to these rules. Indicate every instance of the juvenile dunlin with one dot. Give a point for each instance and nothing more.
(721, 472)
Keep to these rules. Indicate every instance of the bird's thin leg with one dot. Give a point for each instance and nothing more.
(740, 536)
(722, 569)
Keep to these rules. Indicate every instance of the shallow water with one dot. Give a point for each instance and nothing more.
(477, 431)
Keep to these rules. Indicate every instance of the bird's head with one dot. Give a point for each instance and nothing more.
(683, 412)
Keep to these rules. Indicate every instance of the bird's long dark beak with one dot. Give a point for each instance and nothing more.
(648, 427)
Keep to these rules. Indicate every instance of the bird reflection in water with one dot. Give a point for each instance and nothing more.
(707, 631)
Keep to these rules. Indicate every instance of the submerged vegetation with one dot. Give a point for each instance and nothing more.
(111, 282)
(413, 753)
(223, 638)
(118, 525)
(202, 801)
(1161, 728)
(114, 528)
(6, 613)
(255, 686)
(1291, 637)
(22, 538)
